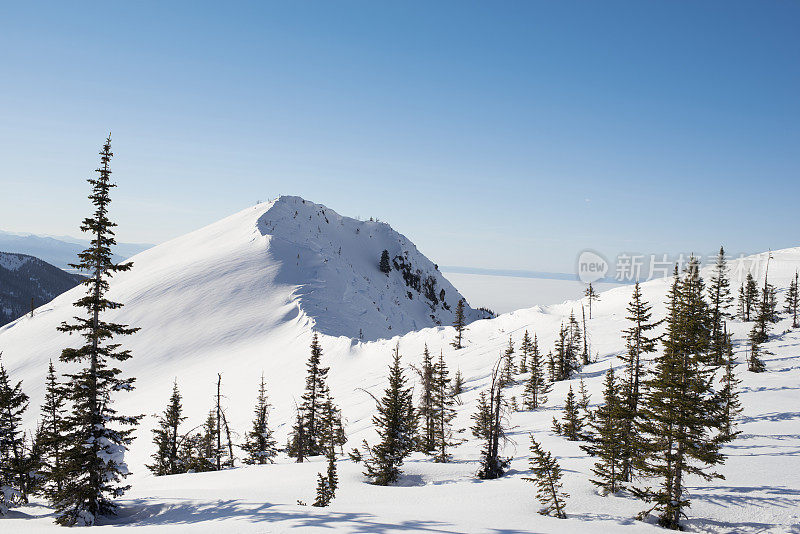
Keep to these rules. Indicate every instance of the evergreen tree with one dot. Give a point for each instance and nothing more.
(211, 451)
(571, 425)
(536, 387)
(33, 463)
(566, 360)
(750, 298)
(458, 386)
(591, 295)
(754, 362)
(460, 325)
(729, 405)
(316, 391)
(396, 423)
(332, 431)
(584, 401)
(492, 465)
(13, 479)
(526, 347)
(324, 493)
(52, 434)
(585, 352)
(719, 297)
(638, 343)
(165, 437)
(507, 374)
(766, 312)
(259, 442)
(680, 412)
(328, 484)
(574, 339)
(385, 266)
(427, 411)
(332, 427)
(547, 478)
(552, 368)
(481, 418)
(445, 413)
(607, 438)
(94, 457)
(793, 300)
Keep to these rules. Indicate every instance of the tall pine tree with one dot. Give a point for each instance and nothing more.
(638, 343)
(443, 402)
(166, 438)
(607, 429)
(259, 443)
(547, 478)
(536, 387)
(793, 300)
(680, 413)
(426, 411)
(52, 434)
(396, 423)
(13, 479)
(460, 325)
(94, 458)
(719, 297)
(316, 390)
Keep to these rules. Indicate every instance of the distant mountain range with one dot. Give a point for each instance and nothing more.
(59, 251)
(24, 277)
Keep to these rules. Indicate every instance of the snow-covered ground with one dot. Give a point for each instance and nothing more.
(213, 305)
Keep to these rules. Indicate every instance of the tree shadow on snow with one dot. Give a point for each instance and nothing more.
(147, 512)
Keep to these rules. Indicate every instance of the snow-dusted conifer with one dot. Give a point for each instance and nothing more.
(52, 434)
(606, 438)
(426, 411)
(680, 416)
(166, 438)
(259, 443)
(793, 300)
(443, 402)
(591, 296)
(719, 297)
(638, 342)
(460, 325)
(526, 347)
(94, 458)
(547, 478)
(13, 480)
(536, 387)
(396, 423)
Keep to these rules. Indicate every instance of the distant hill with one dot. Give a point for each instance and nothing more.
(60, 251)
(23, 277)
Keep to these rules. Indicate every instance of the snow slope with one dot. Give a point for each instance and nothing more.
(761, 492)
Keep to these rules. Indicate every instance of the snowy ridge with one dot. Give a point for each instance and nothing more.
(212, 311)
(332, 260)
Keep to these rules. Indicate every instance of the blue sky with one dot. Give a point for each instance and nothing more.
(505, 135)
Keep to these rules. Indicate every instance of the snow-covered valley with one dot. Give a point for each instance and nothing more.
(243, 296)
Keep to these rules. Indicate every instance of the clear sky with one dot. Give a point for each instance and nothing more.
(496, 134)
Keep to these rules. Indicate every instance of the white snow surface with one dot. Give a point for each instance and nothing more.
(222, 302)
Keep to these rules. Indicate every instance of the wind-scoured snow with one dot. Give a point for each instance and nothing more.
(230, 299)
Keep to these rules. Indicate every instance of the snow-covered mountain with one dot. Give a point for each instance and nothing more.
(59, 250)
(231, 301)
(23, 278)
